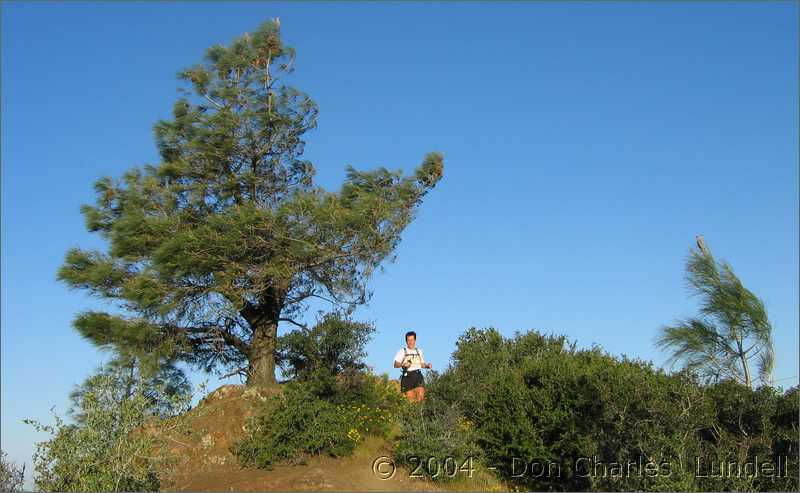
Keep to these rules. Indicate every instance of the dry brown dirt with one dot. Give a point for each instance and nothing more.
(202, 460)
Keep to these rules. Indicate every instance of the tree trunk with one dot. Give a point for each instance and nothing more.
(745, 365)
(261, 370)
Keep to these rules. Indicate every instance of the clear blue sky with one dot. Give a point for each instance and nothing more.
(585, 144)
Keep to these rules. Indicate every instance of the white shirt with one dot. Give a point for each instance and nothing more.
(413, 355)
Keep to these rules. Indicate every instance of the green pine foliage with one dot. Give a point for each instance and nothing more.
(732, 334)
(225, 238)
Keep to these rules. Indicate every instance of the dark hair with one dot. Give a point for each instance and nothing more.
(411, 333)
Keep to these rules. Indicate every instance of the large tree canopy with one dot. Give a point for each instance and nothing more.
(228, 236)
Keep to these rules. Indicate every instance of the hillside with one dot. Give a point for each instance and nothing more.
(203, 461)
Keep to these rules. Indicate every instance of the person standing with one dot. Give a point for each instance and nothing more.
(412, 361)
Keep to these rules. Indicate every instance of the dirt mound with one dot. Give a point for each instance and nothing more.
(202, 460)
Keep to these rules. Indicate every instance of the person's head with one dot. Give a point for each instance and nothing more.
(411, 339)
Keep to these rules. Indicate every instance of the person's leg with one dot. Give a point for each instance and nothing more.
(417, 382)
(406, 388)
(420, 393)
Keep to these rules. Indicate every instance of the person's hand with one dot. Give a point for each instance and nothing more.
(406, 364)
(430, 366)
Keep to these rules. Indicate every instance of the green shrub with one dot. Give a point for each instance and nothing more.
(297, 424)
(12, 476)
(786, 439)
(330, 404)
(111, 444)
(320, 354)
(747, 425)
(374, 402)
(300, 422)
(436, 440)
(601, 420)
(591, 421)
(481, 357)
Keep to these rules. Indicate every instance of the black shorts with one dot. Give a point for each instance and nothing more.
(411, 380)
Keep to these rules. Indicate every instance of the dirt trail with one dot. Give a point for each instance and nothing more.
(319, 474)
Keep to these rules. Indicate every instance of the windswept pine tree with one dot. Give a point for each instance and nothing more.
(209, 250)
(731, 334)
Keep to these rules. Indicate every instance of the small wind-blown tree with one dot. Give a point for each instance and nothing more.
(732, 332)
(12, 477)
(159, 386)
(118, 440)
(227, 237)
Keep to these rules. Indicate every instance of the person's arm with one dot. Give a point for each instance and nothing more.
(398, 360)
(424, 364)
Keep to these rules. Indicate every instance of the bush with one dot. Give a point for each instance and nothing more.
(332, 347)
(597, 421)
(108, 447)
(586, 420)
(436, 440)
(330, 404)
(374, 400)
(12, 476)
(747, 425)
(300, 422)
(481, 357)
